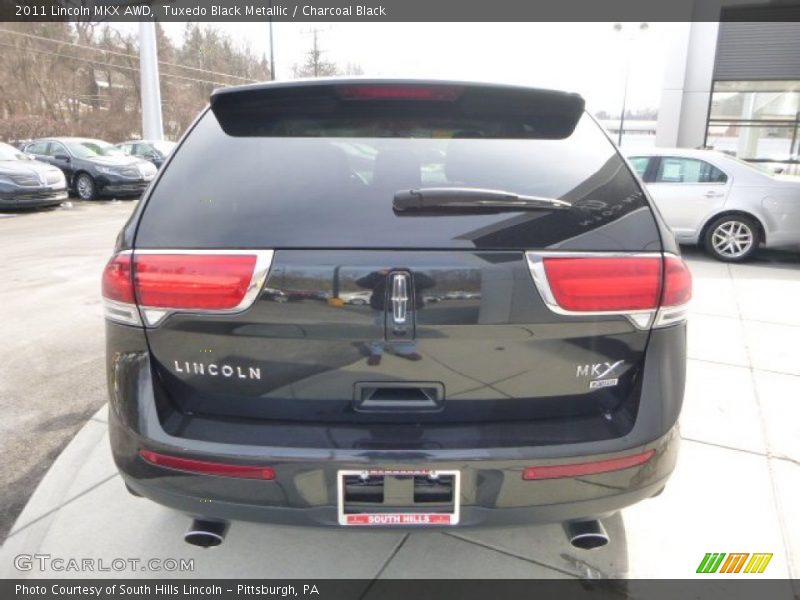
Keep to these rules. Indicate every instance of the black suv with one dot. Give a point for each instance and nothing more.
(94, 167)
(519, 355)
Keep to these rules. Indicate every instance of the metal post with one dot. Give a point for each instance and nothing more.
(624, 100)
(628, 50)
(152, 125)
(271, 49)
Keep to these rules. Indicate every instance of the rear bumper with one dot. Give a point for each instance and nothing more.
(304, 491)
(562, 509)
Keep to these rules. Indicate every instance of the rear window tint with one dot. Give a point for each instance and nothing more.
(334, 191)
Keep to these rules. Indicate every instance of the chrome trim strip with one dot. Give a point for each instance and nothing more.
(153, 316)
(121, 312)
(203, 532)
(641, 319)
(670, 315)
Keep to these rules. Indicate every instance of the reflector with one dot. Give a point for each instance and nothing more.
(207, 468)
(590, 468)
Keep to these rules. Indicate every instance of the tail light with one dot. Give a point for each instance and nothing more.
(213, 282)
(118, 280)
(438, 93)
(589, 468)
(604, 284)
(677, 282)
(648, 289)
(203, 467)
(157, 283)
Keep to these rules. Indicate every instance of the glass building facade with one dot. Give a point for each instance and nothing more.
(758, 121)
(754, 110)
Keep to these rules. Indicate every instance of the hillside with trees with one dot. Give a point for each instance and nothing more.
(83, 78)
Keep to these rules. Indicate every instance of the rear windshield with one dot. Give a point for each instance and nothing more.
(332, 187)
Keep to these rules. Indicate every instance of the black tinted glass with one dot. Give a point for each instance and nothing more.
(292, 192)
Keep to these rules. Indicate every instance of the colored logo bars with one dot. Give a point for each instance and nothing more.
(713, 563)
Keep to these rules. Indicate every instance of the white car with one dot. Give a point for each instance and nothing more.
(356, 298)
(723, 203)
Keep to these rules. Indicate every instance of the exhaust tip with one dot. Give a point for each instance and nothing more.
(586, 535)
(206, 534)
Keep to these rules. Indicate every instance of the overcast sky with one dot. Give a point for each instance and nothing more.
(588, 58)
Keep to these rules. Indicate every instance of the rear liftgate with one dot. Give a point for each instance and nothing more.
(379, 497)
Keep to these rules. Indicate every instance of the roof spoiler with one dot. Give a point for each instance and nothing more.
(278, 109)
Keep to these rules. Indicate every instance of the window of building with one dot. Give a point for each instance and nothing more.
(758, 121)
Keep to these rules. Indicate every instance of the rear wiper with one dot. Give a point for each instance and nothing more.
(471, 199)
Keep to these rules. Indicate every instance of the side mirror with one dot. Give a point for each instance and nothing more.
(63, 157)
(31, 156)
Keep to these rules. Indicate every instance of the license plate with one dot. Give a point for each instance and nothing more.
(416, 516)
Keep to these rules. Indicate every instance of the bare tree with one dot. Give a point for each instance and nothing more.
(315, 65)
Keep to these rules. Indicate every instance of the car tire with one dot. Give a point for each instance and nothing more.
(85, 187)
(732, 238)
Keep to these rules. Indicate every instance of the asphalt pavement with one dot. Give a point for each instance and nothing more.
(52, 375)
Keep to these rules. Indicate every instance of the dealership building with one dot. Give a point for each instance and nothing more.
(734, 85)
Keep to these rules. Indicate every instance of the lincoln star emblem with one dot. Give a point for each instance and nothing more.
(399, 299)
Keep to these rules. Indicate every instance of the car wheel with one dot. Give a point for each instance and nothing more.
(85, 187)
(732, 239)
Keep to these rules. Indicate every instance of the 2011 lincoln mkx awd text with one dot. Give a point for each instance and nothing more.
(519, 355)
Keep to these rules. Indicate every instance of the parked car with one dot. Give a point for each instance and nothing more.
(94, 167)
(728, 206)
(28, 183)
(156, 151)
(360, 298)
(553, 396)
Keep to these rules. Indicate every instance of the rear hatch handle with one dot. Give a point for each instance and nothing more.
(471, 200)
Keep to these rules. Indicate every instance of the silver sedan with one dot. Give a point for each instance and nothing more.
(725, 204)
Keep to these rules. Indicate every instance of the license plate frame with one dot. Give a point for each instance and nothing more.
(416, 518)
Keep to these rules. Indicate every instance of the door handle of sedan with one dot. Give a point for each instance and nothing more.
(713, 194)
